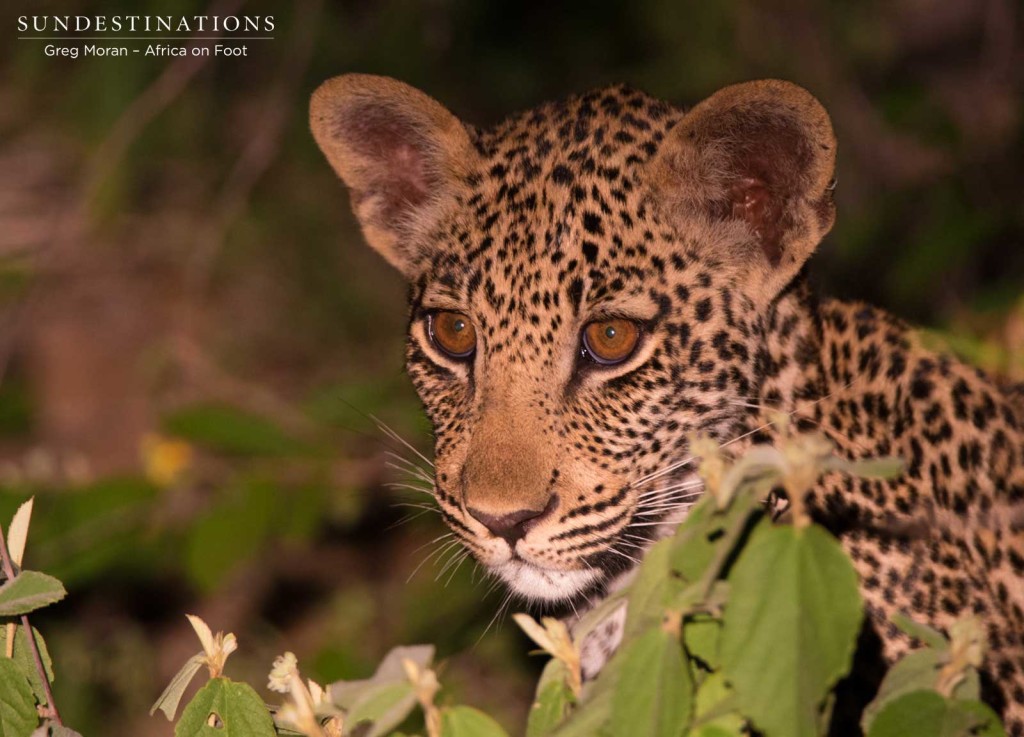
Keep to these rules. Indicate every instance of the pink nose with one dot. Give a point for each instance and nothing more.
(512, 526)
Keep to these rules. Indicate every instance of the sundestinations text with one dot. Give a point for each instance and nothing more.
(146, 23)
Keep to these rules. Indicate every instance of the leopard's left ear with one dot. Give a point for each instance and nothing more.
(754, 162)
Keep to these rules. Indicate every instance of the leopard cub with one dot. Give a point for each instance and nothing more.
(595, 280)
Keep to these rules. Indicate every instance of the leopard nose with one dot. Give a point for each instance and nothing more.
(513, 526)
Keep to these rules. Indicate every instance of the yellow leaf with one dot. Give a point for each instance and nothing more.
(18, 533)
(535, 632)
(203, 630)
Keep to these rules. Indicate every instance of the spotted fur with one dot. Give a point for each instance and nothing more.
(698, 225)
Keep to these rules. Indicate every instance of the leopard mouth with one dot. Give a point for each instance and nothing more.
(652, 520)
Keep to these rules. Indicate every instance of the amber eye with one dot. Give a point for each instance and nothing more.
(453, 333)
(611, 341)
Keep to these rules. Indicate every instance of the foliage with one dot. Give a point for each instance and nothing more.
(743, 621)
(26, 671)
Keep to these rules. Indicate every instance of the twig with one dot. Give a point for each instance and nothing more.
(51, 705)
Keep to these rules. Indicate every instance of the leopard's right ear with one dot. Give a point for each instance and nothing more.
(404, 157)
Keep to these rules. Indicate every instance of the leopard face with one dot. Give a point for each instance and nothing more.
(594, 282)
(544, 447)
(608, 219)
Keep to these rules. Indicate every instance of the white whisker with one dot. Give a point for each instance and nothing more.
(395, 436)
(413, 475)
(497, 614)
(630, 558)
(456, 555)
(461, 559)
(410, 487)
(412, 465)
(414, 505)
(658, 474)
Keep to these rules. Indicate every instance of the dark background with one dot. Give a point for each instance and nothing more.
(193, 336)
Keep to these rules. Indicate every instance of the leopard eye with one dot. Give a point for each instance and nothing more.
(452, 333)
(612, 341)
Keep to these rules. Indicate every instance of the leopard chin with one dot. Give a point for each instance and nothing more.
(535, 583)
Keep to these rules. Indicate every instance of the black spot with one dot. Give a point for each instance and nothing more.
(592, 223)
(897, 364)
(561, 175)
(921, 388)
(575, 292)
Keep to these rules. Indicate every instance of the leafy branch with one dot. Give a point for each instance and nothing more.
(25, 676)
(739, 622)
(735, 624)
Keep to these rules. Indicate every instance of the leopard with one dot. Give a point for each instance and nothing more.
(596, 281)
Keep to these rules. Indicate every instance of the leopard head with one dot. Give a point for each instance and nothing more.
(590, 284)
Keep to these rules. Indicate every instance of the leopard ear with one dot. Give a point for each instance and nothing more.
(761, 156)
(403, 156)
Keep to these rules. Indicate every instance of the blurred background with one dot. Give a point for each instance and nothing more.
(194, 340)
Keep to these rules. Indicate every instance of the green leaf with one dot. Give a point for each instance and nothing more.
(790, 626)
(702, 636)
(969, 688)
(654, 696)
(18, 716)
(28, 591)
(712, 710)
(229, 430)
(25, 661)
(920, 631)
(701, 538)
(385, 706)
(987, 724)
(692, 551)
(168, 701)
(916, 671)
(553, 701)
(651, 590)
(239, 710)
(927, 714)
(587, 721)
(464, 721)
(714, 694)
(595, 703)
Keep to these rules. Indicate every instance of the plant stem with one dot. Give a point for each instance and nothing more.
(51, 705)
